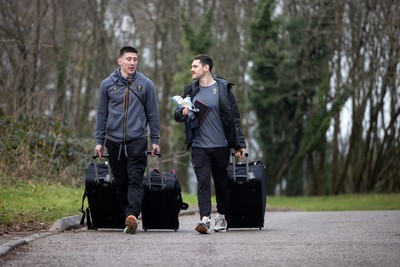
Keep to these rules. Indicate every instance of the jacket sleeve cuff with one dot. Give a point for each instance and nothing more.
(100, 142)
(155, 141)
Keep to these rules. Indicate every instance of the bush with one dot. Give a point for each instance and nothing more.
(40, 150)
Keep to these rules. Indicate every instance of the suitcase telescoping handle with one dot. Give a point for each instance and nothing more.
(241, 176)
(110, 177)
(149, 183)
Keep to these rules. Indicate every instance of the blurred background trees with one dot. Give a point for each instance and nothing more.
(318, 84)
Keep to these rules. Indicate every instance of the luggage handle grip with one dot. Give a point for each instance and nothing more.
(148, 153)
(245, 154)
(111, 177)
(97, 156)
(246, 176)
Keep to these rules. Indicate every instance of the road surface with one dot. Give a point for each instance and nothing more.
(353, 238)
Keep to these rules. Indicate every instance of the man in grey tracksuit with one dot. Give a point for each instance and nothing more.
(127, 103)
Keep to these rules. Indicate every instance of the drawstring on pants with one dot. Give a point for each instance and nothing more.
(125, 150)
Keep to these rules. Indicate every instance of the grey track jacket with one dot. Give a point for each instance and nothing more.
(121, 115)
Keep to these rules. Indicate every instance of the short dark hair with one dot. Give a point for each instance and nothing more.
(127, 49)
(205, 60)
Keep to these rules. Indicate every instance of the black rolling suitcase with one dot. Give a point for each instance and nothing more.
(162, 199)
(247, 194)
(104, 210)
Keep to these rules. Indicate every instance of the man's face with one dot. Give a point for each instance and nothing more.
(128, 63)
(198, 71)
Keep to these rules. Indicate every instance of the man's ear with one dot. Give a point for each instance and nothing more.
(119, 61)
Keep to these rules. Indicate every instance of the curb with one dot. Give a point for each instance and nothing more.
(19, 242)
(66, 223)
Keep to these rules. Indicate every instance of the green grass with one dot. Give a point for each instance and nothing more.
(45, 203)
(39, 202)
(336, 203)
(191, 199)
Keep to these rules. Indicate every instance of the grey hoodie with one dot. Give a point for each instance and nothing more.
(121, 115)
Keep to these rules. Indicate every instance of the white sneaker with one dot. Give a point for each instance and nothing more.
(220, 223)
(131, 224)
(203, 227)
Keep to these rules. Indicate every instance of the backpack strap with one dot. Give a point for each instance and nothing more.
(141, 101)
(85, 213)
(81, 209)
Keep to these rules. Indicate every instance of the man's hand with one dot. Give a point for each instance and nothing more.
(155, 150)
(240, 153)
(185, 111)
(99, 150)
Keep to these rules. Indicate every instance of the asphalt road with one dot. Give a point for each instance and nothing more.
(360, 238)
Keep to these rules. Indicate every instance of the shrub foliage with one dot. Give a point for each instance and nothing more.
(40, 149)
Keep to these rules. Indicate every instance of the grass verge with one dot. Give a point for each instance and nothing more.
(336, 203)
(22, 203)
(42, 203)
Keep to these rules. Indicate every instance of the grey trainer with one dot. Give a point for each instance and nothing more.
(220, 223)
(203, 227)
